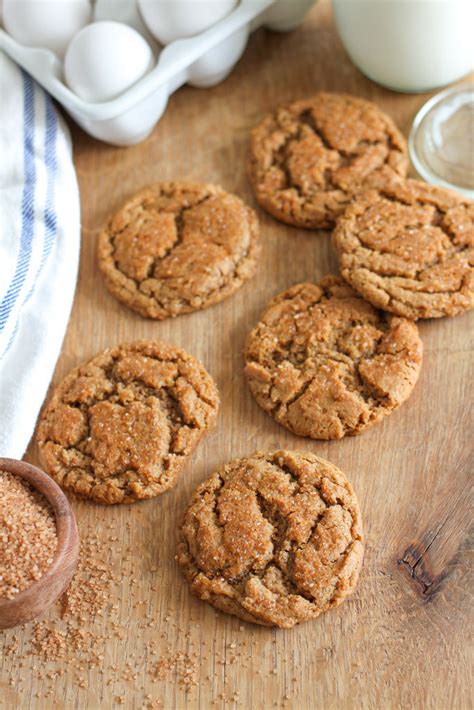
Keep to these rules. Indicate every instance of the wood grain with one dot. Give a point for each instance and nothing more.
(401, 641)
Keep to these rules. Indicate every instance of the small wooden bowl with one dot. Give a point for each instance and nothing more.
(45, 591)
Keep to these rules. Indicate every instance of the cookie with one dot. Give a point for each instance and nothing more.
(122, 426)
(325, 363)
(275, 538)
(310, 158)
(409, 249)
(178, 247)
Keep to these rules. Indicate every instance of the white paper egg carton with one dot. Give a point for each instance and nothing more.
(203, 60)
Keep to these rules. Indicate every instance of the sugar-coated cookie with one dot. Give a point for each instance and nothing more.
(310, 158)
(325, 363)
(409, 249)
(122, 426)
(178, 247)
(275, 538)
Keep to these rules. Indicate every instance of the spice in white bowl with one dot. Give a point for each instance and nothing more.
(28, 536)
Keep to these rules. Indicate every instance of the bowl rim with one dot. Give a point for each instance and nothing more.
(66, 526)
(422, 168)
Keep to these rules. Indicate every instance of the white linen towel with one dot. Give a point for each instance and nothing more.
(39, 250)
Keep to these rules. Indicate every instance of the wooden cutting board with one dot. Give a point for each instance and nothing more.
(401, 639)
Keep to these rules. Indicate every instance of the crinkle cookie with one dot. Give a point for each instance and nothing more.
(275, 538)
(178, 247)
(310, 158)
(409, 249)
(325, 363)
(122, 426)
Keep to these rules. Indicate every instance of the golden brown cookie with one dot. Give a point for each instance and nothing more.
(177, 247)
(310, 158)
(324, 363)
(409, 249)
(275, 538)
(121, 427)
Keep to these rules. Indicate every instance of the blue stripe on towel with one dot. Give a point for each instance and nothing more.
(50, 217)
(27, 207)
(49, 214)
(12, 338)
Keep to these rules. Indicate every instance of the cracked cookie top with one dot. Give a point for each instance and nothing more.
(326, 364)
(275, 538)
(120, 427)
(309, 159)
(178, 247)
(409, 249)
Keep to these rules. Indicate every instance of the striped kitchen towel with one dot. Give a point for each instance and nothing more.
(39, 250)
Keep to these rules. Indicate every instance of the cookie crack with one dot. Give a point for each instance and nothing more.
(295, 566)
(306, 119)
(177, 420)
(229, 281)
(279, 524)
(451, 253)
(285, 468)
(179, 222)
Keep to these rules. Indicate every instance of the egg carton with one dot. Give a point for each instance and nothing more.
(203, 60)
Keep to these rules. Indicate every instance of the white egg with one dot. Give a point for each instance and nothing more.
(125, 11)
(215, 64)
(169, 21)
(45, 23)
(104, 59)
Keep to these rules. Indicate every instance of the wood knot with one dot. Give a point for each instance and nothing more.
(415, 562)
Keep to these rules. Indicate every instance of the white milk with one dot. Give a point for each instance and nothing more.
(408, 45)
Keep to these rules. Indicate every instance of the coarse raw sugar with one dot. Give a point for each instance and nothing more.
(184, 667)
(28, 537)
(84, 648)
(72, 645)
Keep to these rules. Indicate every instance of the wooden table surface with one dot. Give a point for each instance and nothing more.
(401, 641)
